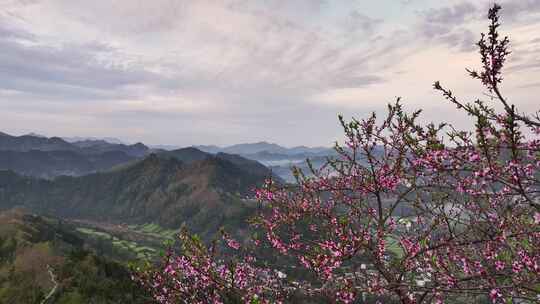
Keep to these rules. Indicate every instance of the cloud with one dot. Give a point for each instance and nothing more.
(134, 17)
(358, 22)
(530, 85)
(470, 11)
(515, 10)
(451, 15)
(71, 71)
(457, 25)
(228, 71)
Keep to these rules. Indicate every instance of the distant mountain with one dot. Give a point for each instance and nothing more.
(265, 147)
(42, 256)
(204, 194)
(209, 148)
(36, 135)
(186, 155)
(111, 140)
(164, 147)
(91, 143)
(190, 155)
(50, 164)
(27, 143)
(269, 156)
(38, 156)
(283, 168)
(254, 148)
(248, 165)
(309, 150)
(279, 159)
(101, 146)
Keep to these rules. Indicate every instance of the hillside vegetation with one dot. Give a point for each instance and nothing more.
(42, 257)
(203, 193)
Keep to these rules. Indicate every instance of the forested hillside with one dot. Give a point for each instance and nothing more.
(44, 257)
(204, 194)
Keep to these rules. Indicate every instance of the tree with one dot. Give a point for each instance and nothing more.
(409, 213)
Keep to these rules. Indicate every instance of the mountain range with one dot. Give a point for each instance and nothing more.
(99, 181)
(278, 158)
(27, 143)
(50, 164)
(265, 147)
(111, 140)
(185, 186)
(116, 203)
(38, 156)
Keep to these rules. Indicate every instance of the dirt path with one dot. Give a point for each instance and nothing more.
(53, 290)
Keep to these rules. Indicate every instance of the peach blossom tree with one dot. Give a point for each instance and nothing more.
(406, 213)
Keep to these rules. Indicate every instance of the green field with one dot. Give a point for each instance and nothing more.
(119, 244)
(93, 232)
(155, 230)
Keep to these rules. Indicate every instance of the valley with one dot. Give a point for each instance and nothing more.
(119, 204)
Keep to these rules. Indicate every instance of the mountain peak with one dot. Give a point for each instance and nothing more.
(35, 135)
(139, 145)
(110, 140)
(186, 155)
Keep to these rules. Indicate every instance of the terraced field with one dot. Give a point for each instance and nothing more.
(125, 243)
(155, 230)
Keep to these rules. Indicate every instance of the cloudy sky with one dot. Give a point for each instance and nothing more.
(229, 71)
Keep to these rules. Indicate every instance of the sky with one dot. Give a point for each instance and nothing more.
(223, 72)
